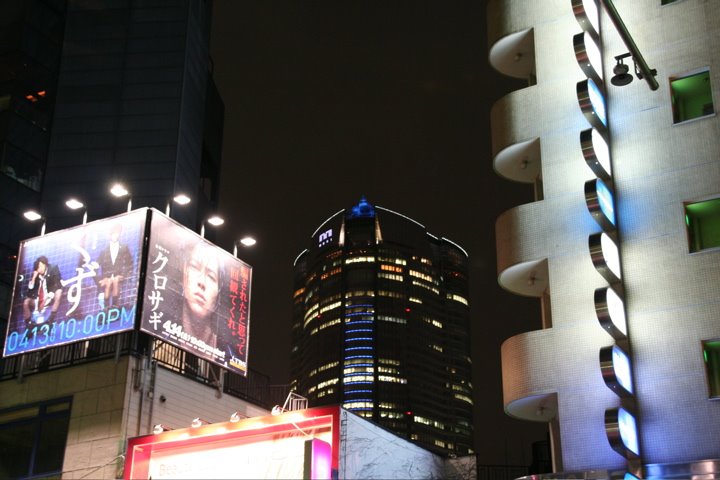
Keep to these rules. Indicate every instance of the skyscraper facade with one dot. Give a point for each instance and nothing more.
(617, 133)
(381, 326)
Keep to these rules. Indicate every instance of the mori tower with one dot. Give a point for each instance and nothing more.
(381, 326)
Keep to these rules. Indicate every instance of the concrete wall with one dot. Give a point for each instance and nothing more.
(114, 401)
(368, 451)
(95, 435)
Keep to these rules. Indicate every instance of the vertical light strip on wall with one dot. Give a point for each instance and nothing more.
(615, 362)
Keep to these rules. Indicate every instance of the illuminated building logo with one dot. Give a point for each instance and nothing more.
(325, 238)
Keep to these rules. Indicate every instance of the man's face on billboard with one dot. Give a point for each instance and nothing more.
(201, 282)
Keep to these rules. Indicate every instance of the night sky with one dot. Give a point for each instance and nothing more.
(326, 101)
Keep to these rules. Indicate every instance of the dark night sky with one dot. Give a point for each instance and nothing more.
(327, 101)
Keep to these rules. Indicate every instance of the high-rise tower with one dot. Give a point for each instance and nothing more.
(381, 326)
(621, 246)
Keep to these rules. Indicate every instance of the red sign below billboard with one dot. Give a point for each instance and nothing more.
(296, 444)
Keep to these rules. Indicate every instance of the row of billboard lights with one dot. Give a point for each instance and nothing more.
(119, 190)
(615, 364)
(197, 422)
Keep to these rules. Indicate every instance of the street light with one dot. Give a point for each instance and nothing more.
(246, 241)
(75, 204)
(180, 199)
(215, 221)
(34, 216)
(119, 191)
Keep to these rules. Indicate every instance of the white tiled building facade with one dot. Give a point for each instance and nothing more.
(664, 180)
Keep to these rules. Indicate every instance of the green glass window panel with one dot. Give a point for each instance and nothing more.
(703, 224)
(711, 353)
(691, 97)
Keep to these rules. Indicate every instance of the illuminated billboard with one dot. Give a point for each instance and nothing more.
(76, 284)
(297, 444)
(196, 295)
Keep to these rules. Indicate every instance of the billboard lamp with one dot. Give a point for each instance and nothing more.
(180, 199)
(34, 216)
(75, 204)
(246, 241)
(215, 221)
(120, 191)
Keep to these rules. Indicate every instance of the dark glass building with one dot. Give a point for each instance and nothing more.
(381, 326)
(98, 92)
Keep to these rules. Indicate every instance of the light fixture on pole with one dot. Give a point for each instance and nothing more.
(215, 221)
(120, 191)
(642, 70)
(34, 216)
(621, 76)
(180, 199)
(75, 204)
(245, 241)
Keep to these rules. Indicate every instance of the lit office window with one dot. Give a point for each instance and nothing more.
(350, 370)
(711, 354)
(330, 323)
(457, 298)
(397, 261)
(358, 405)
(332, 306)
(426, 287)
(392, 379)
(359, 259)
(391, 276)
(32, 439)
(328, 366)
(391, 268)
(691, 96)
(327, 383)
(703, 224)
(433, 322)
(387, 318)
